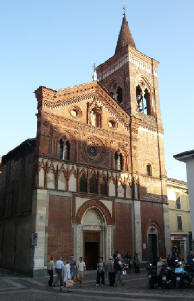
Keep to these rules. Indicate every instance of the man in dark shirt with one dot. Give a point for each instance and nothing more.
(118, 266)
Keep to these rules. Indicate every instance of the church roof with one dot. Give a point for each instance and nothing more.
(125, 37)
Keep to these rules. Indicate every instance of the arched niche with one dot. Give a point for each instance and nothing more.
(112, 188)
(61, 181)
(93, 217)
(50, 180)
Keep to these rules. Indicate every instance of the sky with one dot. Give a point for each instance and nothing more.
(55, 43)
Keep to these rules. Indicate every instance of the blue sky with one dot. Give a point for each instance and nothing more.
(55, 43)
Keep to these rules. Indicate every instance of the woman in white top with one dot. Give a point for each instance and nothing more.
(67, 274)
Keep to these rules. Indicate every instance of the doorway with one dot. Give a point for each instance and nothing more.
(153, 248)
(91, 249)
(91, 255)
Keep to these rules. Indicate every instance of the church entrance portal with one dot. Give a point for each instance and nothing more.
(93, 237)
(91, 248)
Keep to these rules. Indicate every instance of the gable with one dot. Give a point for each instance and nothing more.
(76, 103)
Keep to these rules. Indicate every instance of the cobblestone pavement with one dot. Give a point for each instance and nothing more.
(14, 287)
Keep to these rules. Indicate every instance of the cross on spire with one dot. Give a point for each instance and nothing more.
(124, 10)
(125, 37)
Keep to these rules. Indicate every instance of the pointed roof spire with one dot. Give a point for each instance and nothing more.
(125, 36)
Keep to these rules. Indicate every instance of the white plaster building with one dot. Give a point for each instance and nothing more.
(188, 158)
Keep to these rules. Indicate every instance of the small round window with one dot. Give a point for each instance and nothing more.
(73, 113)
(111, 124)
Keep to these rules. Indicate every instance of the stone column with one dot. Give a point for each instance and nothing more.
(109, 242)
(137, 229)
(78, 241)
(166, 229)
(103, 241)
(40, 218)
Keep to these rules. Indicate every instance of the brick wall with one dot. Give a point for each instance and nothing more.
(60, 231)
(122, 232)
(152, 213)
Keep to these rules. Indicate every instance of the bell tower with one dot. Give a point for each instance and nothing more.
(131, 78)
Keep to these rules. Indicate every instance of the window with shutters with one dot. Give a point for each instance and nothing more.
(178, 203)
(179, 222)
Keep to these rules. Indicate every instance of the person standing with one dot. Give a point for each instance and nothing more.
(136, 262)
(100, 272)
(67, 276)
(127, 261)
(110, 271)
(50, 270)
(81, 268)
(72, 267)
(159, 267)
(169, 261)
(59, 266)
(118, 267)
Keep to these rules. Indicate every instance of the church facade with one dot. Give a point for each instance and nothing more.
(97, 170)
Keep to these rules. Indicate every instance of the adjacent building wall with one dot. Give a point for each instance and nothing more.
(190, 177)
(178, 205)
(16, 185)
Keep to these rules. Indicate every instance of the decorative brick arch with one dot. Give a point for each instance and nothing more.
(91, 204)
(154, 224)
(141, 78)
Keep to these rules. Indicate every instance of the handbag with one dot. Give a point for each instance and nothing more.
(69, 283)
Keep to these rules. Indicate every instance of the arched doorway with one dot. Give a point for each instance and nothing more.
(92, 222)
(93, 233)
(152, 236)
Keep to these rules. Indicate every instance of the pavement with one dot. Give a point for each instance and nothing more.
(15, 287)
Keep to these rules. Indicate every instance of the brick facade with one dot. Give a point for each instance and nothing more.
(123, 229)
(60, 233)
(100, 170)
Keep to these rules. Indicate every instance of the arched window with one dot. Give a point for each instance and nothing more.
(103, 186)
(67, 151)
(143, 100)
(119, 94)
(149, 170)
(61, 149)
(146, 102)
(139, 99)
(64, 150)
(118, 160)
(83, 184)
(95, 118)
(93, 184)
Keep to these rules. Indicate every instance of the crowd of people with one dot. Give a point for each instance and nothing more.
(69, 271)
(172, 259)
